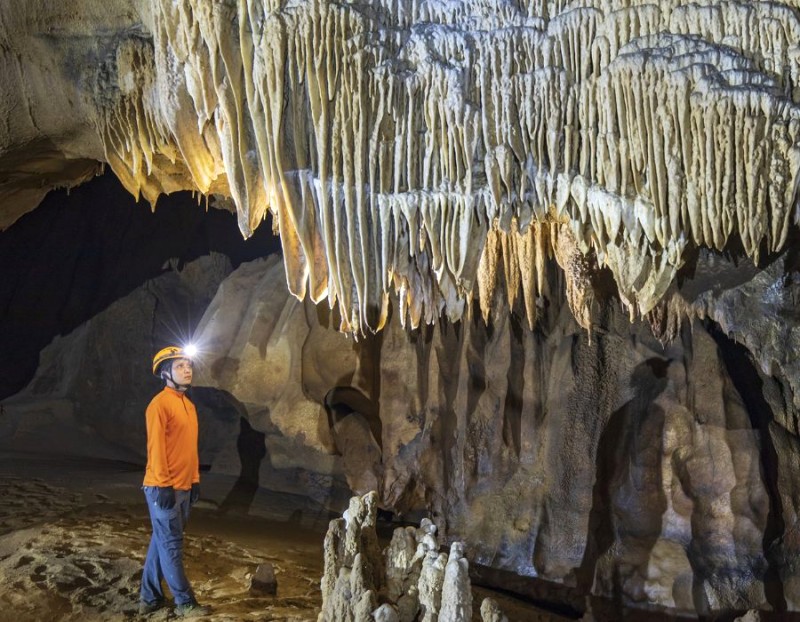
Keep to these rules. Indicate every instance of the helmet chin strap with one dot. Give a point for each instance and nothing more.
(179, 387)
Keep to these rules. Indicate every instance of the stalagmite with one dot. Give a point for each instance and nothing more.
(417, 583)
(353, 569)
(421, 149)
(456, 592)
(491, 612)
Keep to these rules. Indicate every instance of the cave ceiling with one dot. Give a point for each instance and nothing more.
(436, 151)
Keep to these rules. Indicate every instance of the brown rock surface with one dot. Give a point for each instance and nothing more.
(649, 475)
(620, 466)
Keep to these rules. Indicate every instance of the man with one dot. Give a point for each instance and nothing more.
(171, 484)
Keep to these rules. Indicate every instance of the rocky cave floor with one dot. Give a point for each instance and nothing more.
(73, 534)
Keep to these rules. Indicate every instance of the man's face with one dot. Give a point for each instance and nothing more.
(182, 371)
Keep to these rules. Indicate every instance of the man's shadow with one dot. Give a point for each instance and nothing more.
(252, 450)
(624, 440)
(356, 433)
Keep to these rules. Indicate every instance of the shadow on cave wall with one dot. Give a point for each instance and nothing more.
(80, 251)
(623, 441)
(355, 428)
(220, 415)
(252, 451)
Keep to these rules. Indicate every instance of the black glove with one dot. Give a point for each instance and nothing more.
(166, 497)
(194, 495)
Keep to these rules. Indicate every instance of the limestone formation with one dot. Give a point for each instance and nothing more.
(491, 612)
(353, 567)
(634, 472)
(456, 592)
(385, 613)
(585, 213)
(420, 583)
(619, 466)
(428, 150)
(431, 583)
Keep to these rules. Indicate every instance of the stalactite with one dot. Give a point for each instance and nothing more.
(426, 147)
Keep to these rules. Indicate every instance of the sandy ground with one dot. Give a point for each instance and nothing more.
(73, 534)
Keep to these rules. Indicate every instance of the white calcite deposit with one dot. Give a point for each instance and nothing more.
(429, 149)
(411, 578)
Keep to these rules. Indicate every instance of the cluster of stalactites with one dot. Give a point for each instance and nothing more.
(424, 147)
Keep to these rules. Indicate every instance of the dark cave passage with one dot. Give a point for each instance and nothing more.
(81, 250)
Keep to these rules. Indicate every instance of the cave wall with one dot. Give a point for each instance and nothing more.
(624, 423)
(92, 385)
(653, 474)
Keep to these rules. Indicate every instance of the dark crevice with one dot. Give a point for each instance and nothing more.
(343, 401)
(356, 432)
(748, 382)
(512, 410)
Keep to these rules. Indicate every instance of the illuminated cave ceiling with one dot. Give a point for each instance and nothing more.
(428, 148)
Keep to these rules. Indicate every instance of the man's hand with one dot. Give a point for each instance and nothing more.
(166, 497)
(194, 495)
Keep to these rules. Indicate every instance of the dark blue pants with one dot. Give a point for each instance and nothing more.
(165, 555)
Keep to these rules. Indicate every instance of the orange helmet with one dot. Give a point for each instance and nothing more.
(172, 352)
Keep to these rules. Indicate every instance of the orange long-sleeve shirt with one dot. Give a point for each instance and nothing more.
(172, 458)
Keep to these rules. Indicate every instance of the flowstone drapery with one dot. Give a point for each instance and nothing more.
(428, 149)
